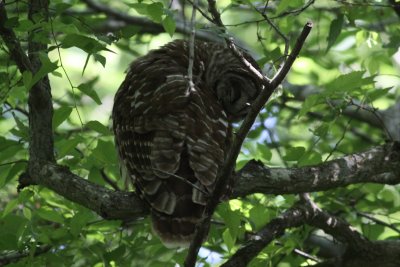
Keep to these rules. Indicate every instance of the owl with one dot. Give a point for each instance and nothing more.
(172, 138)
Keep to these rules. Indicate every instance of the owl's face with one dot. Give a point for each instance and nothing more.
(237, 91)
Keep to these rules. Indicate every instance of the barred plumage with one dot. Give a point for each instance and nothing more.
(165, 131)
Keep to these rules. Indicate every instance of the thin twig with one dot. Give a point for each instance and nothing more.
(183, 180)
(191, 46)
(65, 71)
(377, 221)
(295, 11)
(276, 29)
(196, 5)
(112, 183)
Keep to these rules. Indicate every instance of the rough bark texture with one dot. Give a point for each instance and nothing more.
(377, 165)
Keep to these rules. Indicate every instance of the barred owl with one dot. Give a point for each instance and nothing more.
(172, 138)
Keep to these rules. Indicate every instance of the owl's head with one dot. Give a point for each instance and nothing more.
(236, 87)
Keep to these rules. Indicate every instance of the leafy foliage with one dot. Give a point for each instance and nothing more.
(350, 62)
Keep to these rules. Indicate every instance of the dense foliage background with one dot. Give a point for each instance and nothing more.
(342, 96)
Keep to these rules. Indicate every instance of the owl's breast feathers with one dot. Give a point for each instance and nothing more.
(171, 139)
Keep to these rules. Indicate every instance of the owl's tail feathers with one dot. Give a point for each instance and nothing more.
(174, 232)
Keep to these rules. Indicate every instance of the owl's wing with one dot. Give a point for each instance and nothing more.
(171, 132)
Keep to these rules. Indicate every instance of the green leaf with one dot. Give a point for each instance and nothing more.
(27, 79)
(50, 215)
(87, 89)
(140, 8)
(65, 146)
(294, 153)
(23, 129)
(322, 129)
(25, 195)
(27, 213)
(11, 230)
(105, 152)
(229, 240)
(98, 127)
(60, 115)
(9, 207)
(310, 158)
(231, 218)
(334, 30)
(390, 194)
(79, 221)
(155, 11)
(86, 62)
(264, 152)
(87, 44)
(346, 82)
(46, 68)
(377, 93)
(259, 216)
(309, 103)
(169, 25)
(100, 59)
(129, 31)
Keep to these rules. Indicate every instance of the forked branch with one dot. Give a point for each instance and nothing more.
(225, 173)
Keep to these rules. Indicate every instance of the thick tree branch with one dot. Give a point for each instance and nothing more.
(377, 165)
(40, 102)
(359, 250)
(110, 204)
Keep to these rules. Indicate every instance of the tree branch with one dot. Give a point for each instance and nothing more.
(377, 165)
(110, 204)
(293, 217)
(359, 250)
(147, 25)
(226, 171)
(7, 258)
(396, 6)
(41, 145)
(388, 120)
(12, 43)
